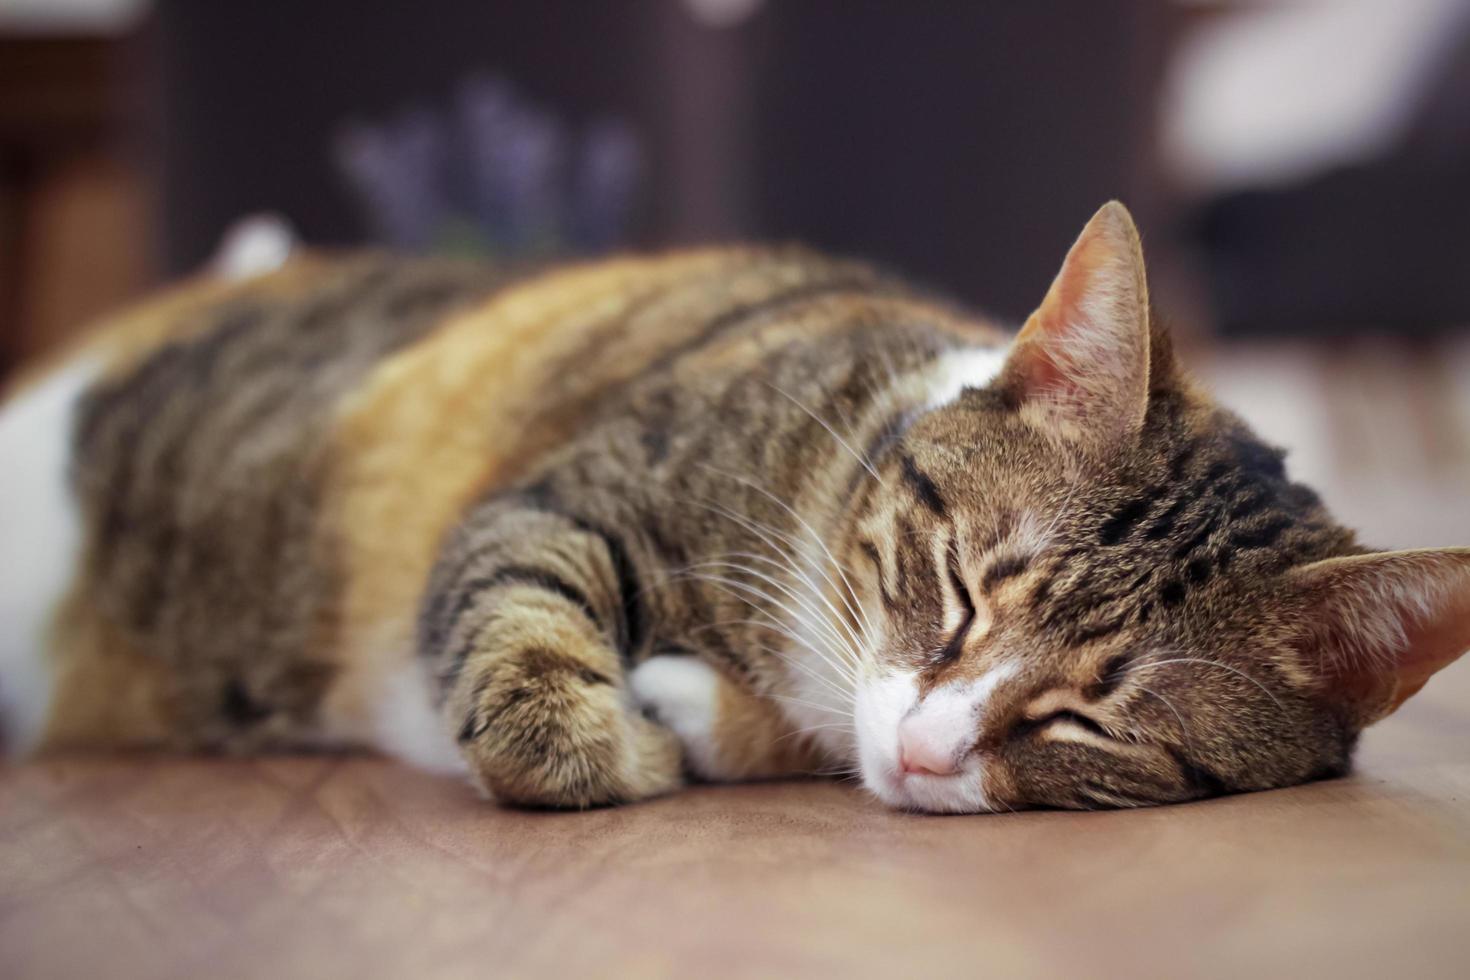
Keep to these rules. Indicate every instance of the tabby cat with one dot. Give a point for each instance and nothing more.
(729, 514)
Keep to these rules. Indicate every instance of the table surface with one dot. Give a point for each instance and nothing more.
(355, 867)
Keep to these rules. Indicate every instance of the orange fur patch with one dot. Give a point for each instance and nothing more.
(439, 423)
(106, 692)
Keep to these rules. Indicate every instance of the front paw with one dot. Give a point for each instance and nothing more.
(682, 693)
(545, 729)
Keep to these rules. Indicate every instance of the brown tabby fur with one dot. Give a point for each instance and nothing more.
(533, 482)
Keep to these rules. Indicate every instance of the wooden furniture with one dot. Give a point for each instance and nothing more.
(75, 228)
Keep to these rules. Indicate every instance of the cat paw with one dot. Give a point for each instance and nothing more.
(682, 693)
(544, 729)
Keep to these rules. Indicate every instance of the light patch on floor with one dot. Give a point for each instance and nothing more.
(1381, 430)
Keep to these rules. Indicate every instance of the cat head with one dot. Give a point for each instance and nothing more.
(1089, 585)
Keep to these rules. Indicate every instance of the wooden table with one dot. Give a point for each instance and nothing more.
(355, 867)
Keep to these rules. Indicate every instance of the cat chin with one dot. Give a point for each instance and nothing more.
(963, 792)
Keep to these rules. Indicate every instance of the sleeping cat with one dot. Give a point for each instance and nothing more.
(729, 514)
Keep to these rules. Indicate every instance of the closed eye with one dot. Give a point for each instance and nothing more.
(967, 608)
(1110, 678)
(1029, 726)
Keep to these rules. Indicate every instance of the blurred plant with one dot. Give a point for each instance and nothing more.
(396, 170)
(495, 174)
(605, 182)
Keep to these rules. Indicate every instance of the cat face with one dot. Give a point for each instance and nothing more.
(1090, 586)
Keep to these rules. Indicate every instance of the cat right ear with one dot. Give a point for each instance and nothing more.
(1376, 627)
(1080, 366)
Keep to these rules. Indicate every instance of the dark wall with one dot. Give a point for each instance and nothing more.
(964, 143)
(250, 94)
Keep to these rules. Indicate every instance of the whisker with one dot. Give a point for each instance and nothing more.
(810, 704)
(836, 613)
(1212, 663)
(833, 656)
(757, 528)
(817, 538)
(840, 669)
(844, 694)
(862, 460)
(813, 728)
(1184, 728)
(839, 645)
(854, 606)
(1061, 511)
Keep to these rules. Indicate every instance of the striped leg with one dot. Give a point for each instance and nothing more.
(524, 624)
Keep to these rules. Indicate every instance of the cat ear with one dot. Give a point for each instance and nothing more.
(1080, 366)
(1378, 626)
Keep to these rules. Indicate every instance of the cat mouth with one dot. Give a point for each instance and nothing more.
(962, 791)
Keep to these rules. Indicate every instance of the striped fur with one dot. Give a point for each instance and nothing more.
(448, 511)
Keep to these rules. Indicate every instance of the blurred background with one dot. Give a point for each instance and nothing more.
(1300, 168)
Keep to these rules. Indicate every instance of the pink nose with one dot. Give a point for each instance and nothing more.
(921, 752)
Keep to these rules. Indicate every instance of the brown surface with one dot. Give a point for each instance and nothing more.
(348, 867)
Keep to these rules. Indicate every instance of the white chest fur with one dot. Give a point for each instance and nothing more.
(40, 542)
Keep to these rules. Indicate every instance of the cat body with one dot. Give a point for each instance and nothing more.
(740, 513)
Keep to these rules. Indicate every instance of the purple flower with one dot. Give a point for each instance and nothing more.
(503, 174)
(398, 171)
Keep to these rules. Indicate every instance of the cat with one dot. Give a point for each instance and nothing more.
(584, 533)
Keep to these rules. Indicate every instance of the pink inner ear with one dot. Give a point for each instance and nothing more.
(1388, 622)
(1061, 314)
(1435, 642)
(1042, 376)
(1082, 357)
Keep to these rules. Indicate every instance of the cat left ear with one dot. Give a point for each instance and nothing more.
(1379, 626)
(1080, 366)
